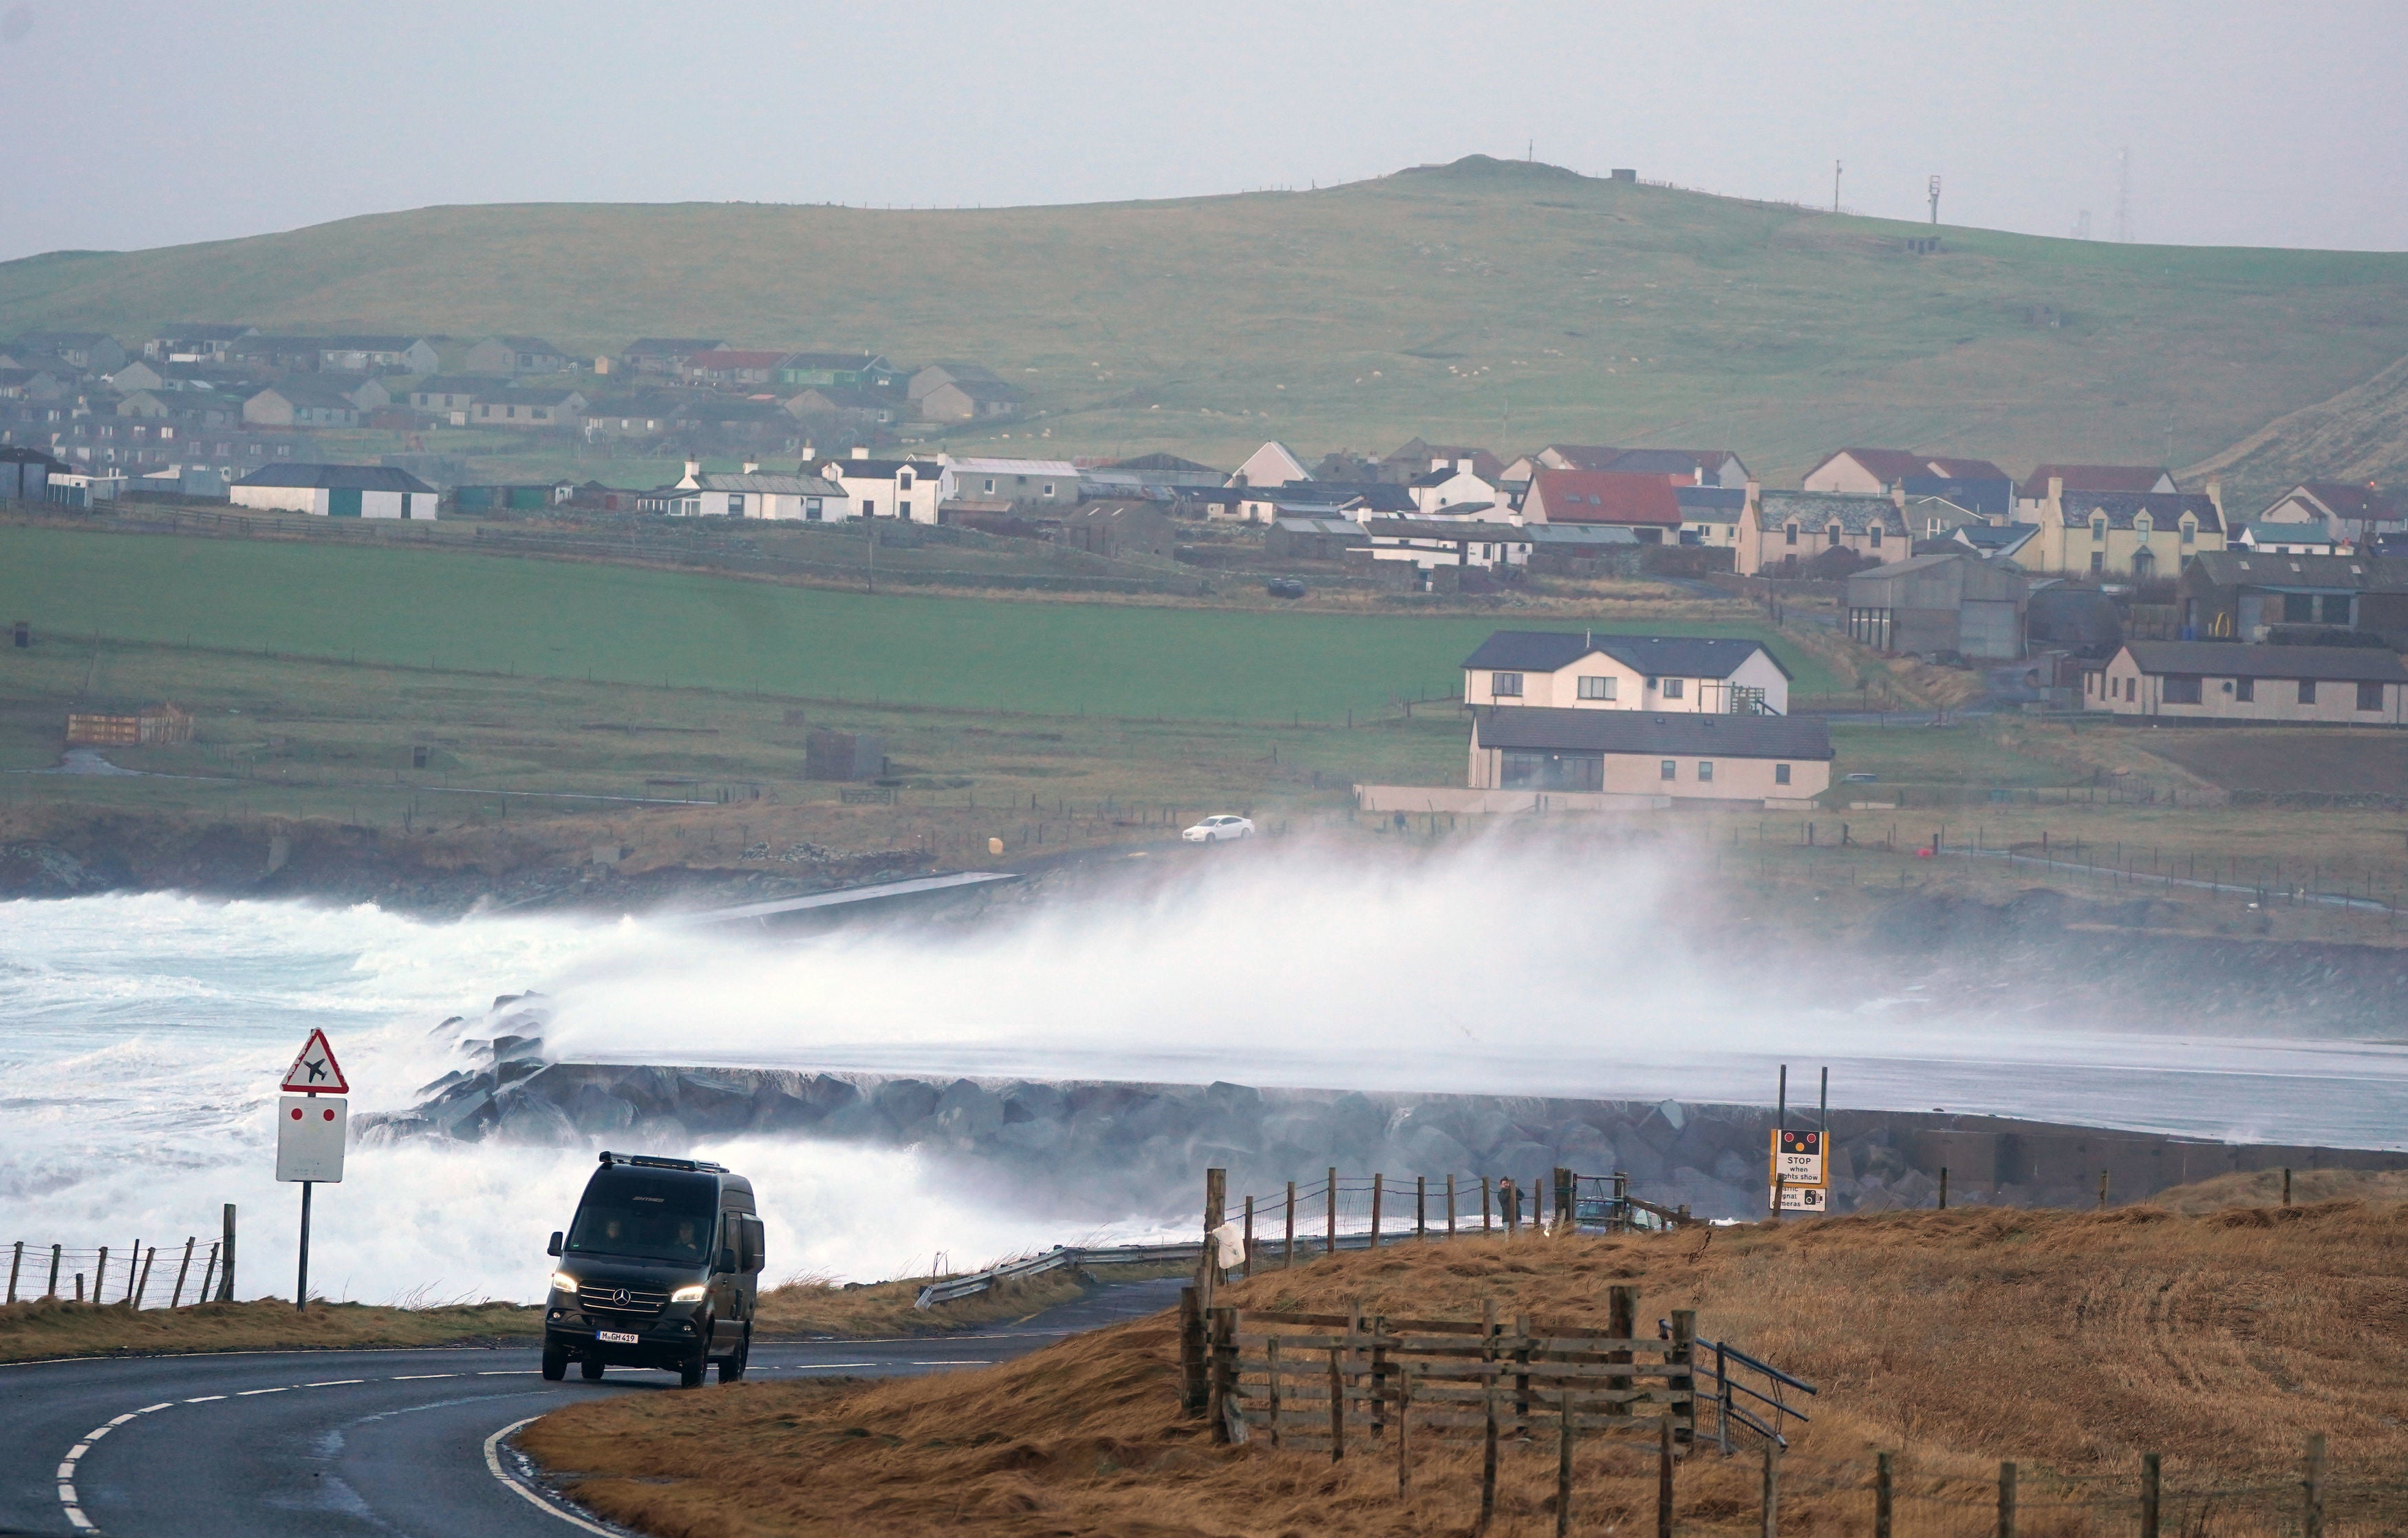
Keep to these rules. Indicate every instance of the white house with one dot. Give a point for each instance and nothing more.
(335, 491)
(1031, 482)
(888, 488)
(2287, 539)
(1594, 672)
(1456, 487)
(750, 494)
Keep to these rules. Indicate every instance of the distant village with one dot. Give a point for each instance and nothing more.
(2145, 597)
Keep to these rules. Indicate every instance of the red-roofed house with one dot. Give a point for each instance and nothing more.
(731, 370)
(2347, 511)
(1644, 503)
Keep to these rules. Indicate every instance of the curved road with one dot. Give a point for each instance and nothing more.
(326, 1442)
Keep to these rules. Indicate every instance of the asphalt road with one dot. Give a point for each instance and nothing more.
(330, 1442)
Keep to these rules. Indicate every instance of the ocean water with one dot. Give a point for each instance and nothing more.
(141, 1038)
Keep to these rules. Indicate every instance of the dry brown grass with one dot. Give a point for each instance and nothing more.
(809, 1306)
(2264, 1188)
(2071, 1342)
(29, 1331)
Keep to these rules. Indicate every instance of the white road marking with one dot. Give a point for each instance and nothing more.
(333, 1382)
(248, 1392)
(162, 1404)
(819, 1367)
(82, 1523)
(123, 1419)
(77, 1450)
(416, 1378)
(961, 1361)
(66, 1471)
(509, 1372)
(198, 1399)
(493, 1462)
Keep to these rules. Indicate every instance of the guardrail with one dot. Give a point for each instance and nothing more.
(1054, 1259)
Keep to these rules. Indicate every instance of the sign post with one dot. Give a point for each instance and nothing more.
(1800, 1174)
(311, 1133)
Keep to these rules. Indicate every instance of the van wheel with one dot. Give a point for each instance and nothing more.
(590, 1369)
(731, 1367)
(690, 1371)
(555, 1363)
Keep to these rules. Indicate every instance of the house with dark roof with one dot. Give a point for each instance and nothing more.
(2347, 511)
(889, 488)
(844, 370)
(1415, 457)
(1779, 531)
(834, 403)
(194, 341)
(84, 352)
(1357, 499)
(448, 393)
(2135, 480)
(732, 369)
(515, 355)
(1683, 467)
(305, 400)
(1584, 671)
(1429, 543)
(2284, 539)
(335, 491)
(1994, 542)
(971, 400)
(1709, 514)
(1644, 503)
(1976, 484)
(1120, 528)
(378, 354)
(1313, 538)
(528, 409)
(1686, 756)
(2137, 535)
(2247, 594)
(1454, 486)
(2206, 681)
(929, 376)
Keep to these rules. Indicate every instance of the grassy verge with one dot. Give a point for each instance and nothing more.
(2071, 1342)
(55, 1328)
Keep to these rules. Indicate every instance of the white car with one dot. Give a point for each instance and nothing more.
(1219, 830)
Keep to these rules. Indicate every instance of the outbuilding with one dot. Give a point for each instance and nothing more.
(2206, 681)
(335, 491)
(1931, 605)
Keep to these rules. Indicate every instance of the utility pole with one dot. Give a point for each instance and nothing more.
(1935, 200)
(1835, 186)
(2123, 230)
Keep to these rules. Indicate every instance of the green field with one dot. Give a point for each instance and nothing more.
(615, 624)
(1490, 302)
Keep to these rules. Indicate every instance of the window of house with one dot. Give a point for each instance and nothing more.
(903, 480)
(1780, 774)
(1505, 686)
(2190, 531)
(2098, 531)
(869, 508)
(2370, 696)
(1672, 687)
(1789, 535)
(2098, 560)
(990, 485)
(2307, 691)
(1874, 539)
(2336, 608)
(1048, 488)
(2143, 525)
(2180, 689)
(1599, 688)
(1667, 769)
(1705, 771)
(2298, 609)
(1832, 534)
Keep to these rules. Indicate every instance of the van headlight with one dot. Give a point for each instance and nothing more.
(563, 1281)
(692, 1294)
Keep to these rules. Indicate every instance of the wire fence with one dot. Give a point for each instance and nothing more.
(138, 1277)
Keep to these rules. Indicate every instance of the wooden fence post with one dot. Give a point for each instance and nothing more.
(2152, 1489)
(225, 1258)
(1191, 1350)
(1271, 1364)
(1771, 1513)
(2007, 1500)
(1250, 1236)
(1522, 1378)
(1208, 1266)
(1943, 1187)
(1664, 1481)
(1379, 1400)
(99, 1277)
(1421, 1207)
(1884, 1493)
(1404, 1433)
(1222, 1392)
(2286, 1185)
(2102, 1190)
(1378, 1181)
(1681, 1357)
(1333, 1211)
(206, 1272)
(1564, 1472)
(1337, 1407)
(183, 1269)
(1450, 1206)
(1621, 1324)
(142, 1283)
(54, 1289)
(1287, 1255)
(2312, 1506)
(16, 1262)
(1483, 1204)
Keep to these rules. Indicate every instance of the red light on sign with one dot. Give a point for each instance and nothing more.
(297, 1112)
(327, 1114)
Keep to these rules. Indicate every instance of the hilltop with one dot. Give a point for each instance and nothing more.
(1486, 301)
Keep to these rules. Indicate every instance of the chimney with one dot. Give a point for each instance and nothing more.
(2215, 496)
(692, 475)
(2055, 504)
(751, 467)
(861, 451)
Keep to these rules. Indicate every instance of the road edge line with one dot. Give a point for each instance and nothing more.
(518, 1486)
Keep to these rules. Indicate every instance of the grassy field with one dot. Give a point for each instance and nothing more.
(2071, 1343)
(1488, 301)
(434, 608)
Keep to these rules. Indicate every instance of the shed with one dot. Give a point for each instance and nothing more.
(1940, 604)
(1120, 528)
(832, 754)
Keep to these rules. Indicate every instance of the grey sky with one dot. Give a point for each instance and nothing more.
(157, 121)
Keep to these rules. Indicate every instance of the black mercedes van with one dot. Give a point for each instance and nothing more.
(660, 1268)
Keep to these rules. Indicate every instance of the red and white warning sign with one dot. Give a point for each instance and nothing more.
(310, 1131)
(315, 1071)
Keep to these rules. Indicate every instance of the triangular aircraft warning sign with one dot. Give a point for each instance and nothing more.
(315, 1070)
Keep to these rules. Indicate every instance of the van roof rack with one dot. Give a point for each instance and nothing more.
(654, 1161)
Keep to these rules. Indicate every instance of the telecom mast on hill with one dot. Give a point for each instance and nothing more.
(2123, 227)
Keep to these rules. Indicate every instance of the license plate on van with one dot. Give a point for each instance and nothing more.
(614, 1337)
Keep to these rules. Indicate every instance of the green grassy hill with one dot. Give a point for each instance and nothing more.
(1496, 302)
(436, 608)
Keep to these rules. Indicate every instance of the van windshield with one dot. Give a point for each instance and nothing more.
(646, 1217)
